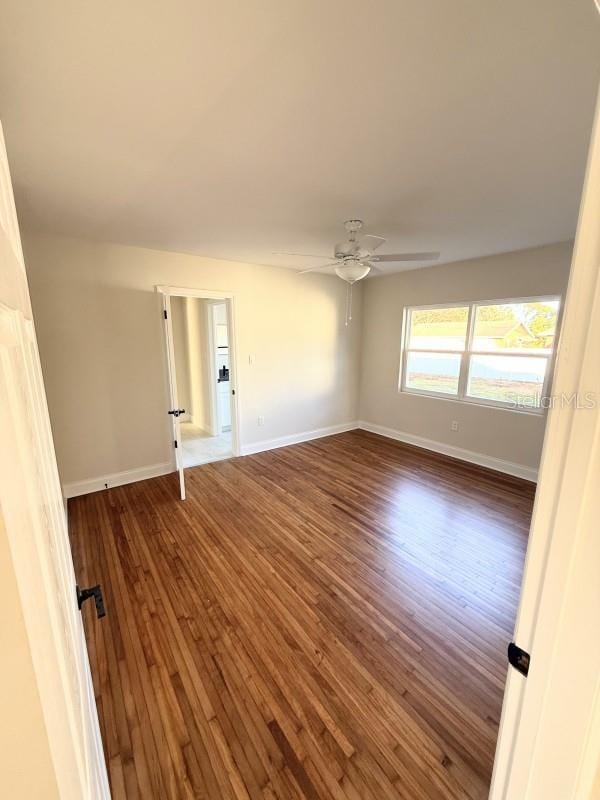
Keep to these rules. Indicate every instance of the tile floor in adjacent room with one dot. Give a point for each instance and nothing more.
(201, 448)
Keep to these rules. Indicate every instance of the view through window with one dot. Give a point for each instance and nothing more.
(495, 353)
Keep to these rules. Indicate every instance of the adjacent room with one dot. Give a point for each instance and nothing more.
(200, 342)
(304, 284)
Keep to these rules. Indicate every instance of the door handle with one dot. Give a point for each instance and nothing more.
(518, 658)
(96, 593)
(177, 412)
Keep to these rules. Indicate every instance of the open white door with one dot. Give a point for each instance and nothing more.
(174, 411)
(549, 742)
(32, 513)
(226, 299)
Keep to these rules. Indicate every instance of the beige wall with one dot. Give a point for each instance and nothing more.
(101, 342)
(503, 434)
(26, 768)
(100, 335)
(197, 324)
(190, 334)
(179, 324)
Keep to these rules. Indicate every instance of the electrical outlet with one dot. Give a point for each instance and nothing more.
(454, 425)
(261, 421)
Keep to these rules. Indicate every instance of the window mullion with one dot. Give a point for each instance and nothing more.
(464, 359)
(406, 323)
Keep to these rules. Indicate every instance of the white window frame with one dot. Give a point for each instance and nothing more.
(465, 355)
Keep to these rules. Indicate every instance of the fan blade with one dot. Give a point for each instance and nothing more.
(407, 257)
(301, 255)
(373, 241)
(329, 265)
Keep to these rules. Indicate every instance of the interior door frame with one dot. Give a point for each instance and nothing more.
(229, 298)
(549, 738)
(212, 369)
(173, 393)
(34, 524)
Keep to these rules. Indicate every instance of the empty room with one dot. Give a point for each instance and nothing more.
(300, 400)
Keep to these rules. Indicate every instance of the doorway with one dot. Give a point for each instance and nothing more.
(200, 349)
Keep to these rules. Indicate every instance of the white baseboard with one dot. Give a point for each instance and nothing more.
(498, 464)
(155, 470)
(296, 438)
(116, 479)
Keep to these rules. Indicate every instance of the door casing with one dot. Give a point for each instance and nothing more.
(34, 520)
(549, 740)
(203, 294)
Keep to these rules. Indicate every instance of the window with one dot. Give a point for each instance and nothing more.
(495, 353)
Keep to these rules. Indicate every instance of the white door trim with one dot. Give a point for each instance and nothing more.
(212, 371)
(230, 299)
(33, 521)
(549, 741)
(173, 394)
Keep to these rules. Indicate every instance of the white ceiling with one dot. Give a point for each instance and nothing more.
(233, 129)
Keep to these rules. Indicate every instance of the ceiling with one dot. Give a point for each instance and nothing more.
(233, 128)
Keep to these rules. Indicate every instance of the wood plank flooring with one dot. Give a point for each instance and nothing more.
(327, 620)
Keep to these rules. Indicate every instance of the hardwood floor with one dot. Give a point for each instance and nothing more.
(327, 620)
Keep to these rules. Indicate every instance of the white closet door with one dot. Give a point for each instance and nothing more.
(33, 516)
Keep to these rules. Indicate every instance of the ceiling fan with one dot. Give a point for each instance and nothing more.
(355, 258)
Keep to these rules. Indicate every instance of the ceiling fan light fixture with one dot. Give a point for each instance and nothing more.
(352, 271)
(352, 259)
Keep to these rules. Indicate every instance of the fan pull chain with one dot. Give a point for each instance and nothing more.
(348, 304)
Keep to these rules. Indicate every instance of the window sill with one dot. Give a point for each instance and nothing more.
(532, 412)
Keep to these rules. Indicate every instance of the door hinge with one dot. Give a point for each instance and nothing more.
(165, 313)
(175, 443)
(518, 658)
